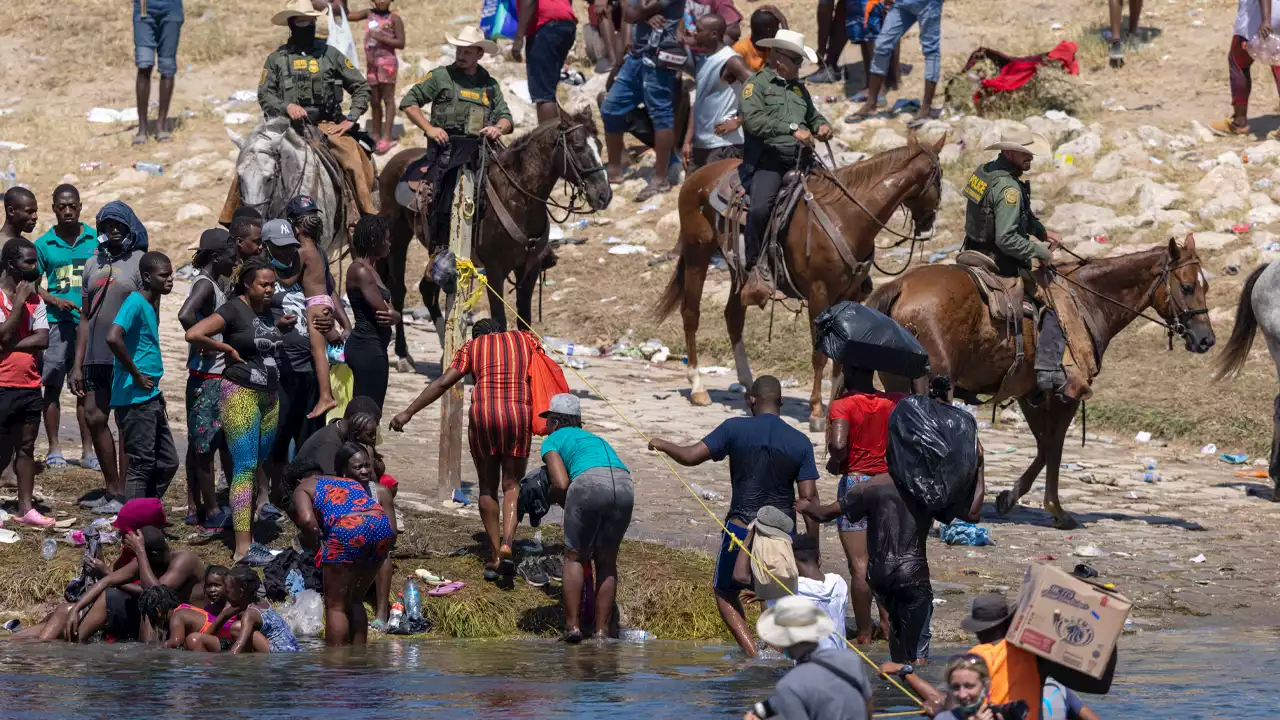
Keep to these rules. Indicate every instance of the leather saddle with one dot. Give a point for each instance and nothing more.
(730, 200)
(346, 194)
(1005, 297)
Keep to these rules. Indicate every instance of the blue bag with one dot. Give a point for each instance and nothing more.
(499, 19)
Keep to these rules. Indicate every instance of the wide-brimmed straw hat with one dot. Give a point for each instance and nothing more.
(469, 36)
(1022, 140)
(794, 620)
(293, 9)
(792, 42)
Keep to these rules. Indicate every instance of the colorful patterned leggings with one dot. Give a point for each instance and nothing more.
(249, 423)
(1239, 65)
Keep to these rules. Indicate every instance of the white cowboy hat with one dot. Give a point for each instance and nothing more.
(293, 9)
(1022, 140)
(794, 620)
(792, 42)
(471, 37)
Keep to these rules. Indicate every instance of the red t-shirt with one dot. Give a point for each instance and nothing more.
(868, 418)
(549, 10)
(20, 369)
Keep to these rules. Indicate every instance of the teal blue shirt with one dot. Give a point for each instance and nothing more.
(142, 336)
(62, 266)
(581, 451)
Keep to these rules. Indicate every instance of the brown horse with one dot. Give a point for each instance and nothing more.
(909, 176)
(941, 305)
(523, 176)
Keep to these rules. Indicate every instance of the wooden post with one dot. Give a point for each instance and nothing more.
(460, 227)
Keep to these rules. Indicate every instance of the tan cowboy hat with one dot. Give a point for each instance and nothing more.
(471, 37)
(293, 9)
(793, 620)
(1023, 140)
(792, 42)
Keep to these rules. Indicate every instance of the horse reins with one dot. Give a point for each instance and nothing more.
(277, 179)
(577, 189)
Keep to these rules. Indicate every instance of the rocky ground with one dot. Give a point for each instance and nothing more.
(1133, 165)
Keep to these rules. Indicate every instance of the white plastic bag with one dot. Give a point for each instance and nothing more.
(340, 37)
(1265, 51)
(305, 613)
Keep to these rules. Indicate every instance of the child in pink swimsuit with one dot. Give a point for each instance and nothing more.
(384, 35)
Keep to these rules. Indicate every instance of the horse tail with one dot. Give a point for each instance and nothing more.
(885, 297)
(673, 296)
(1237, 350)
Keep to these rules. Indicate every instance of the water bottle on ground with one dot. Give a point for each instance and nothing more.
(149, 168)
(634, 635)
(412, 599)
(49, 548)
(396, 616)
(566, 347)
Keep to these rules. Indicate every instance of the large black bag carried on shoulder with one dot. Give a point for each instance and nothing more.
(932, 454)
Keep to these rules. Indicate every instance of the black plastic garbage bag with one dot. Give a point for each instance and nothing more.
(932, 454)
(854, 334)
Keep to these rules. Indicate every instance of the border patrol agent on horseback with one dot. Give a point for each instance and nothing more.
(780, 122)
(466, 105)
(1000, 224)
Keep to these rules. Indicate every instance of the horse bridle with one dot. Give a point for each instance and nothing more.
(577, 205)
(277, 180)
(1182, 314)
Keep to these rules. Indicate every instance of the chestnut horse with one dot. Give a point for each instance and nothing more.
(523, 176)
(910, 176)
(941, 305)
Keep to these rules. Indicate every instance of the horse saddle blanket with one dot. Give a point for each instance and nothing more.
(337, 176)
(730, 200)
(1006, 297)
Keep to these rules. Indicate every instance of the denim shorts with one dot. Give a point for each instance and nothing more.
(638, 84)
(157, 34)
(843, 524)
(548, 49)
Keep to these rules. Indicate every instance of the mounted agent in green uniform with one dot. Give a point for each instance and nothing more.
(1000, 224)
(466, 106)
(779, 122)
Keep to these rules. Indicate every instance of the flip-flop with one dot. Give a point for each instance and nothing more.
(447, 589)
(857, 117)
(56, 461)
(91, 463)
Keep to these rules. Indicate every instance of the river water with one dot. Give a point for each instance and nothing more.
(1182, 674)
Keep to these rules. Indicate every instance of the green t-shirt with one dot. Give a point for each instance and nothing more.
(142, 337)
(63, 267)
(581, 451)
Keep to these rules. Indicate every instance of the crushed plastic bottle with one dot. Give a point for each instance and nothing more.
(578, 224)
(149, 168)
(397, 614)
(705, 493)
(412, 599)
(49, 548)
(1265, 51)
(566, 347)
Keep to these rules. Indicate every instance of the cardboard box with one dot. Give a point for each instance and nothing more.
(1070, 621)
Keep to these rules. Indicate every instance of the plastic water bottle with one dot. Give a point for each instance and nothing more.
(397, 613)
(568, 348)
(49, 548)
(149, 168)
(578, 224)
(412, 599)
(634, 635)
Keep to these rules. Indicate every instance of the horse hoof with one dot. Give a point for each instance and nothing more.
(406, 365)
(817, 424)
(1005, 502)
(1065, 521)
(700, 399)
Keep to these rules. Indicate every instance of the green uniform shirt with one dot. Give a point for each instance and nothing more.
(307, 77)
(461, 104)
(996, 193)
(63, 267)
(770, 105)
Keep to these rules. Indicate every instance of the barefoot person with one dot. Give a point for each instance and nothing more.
(901, 15)
(245, 624)
(168, 620)
(62, 253)
(499, 430)
(157, 25)
(769, 462)
(349, 520)
(594, 488)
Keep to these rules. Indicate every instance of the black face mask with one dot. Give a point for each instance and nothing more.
(303, 36)
(31, 275)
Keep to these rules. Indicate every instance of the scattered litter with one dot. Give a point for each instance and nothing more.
(576, 364)
(149, 168)
(705, 493)
(661, 356)
(633, 635)
(1209, 449)
(236, 118)
(626, 249)
(1100, 239)
(8, 145)
(305, 613)
(1259, 474)
(461, 497)
(1241, 228)
(648, 208)
(1262, 184)
(1234, 459)
(737, 388)
(1072, 467)
(244, 96)
(609, 299)
(1155, 160)
(462, 19)
(1003, 450)
(108, 115)
(714, 370)
(1087, 551)
(8, 537)
(1120, 553)
(1055, 26)
(1133, 495)
(1142, 437)
(1199, 558)
(520, 88)
(959, 532)
(1232, 270)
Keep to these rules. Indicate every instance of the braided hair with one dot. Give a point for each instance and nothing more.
(370, 230)
(157, 603)
(246, 272)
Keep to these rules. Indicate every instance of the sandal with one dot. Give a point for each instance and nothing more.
(56, 461)
(447, 589)
(1228, 128)
(91, 462)
(652, 190)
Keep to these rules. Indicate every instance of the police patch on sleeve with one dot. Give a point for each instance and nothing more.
(746, 91)
(263, 79)
(1011, 196)
(349, 65)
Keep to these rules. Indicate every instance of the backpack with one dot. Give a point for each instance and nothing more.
(775, 554)
(546, 380)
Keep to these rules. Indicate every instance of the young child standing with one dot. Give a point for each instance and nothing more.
(384, 35)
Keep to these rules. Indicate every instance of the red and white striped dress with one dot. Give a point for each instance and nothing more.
(501, 416)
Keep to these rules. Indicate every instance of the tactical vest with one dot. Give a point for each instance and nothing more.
(980, 217)
(304, 84)
(462, 111)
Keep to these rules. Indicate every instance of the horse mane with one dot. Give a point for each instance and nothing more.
(874, 168)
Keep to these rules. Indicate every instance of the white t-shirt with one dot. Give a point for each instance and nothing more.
(832, 595)
(1249, 18)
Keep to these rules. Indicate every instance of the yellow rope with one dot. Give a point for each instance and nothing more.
(467, 272)
(468, 267)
